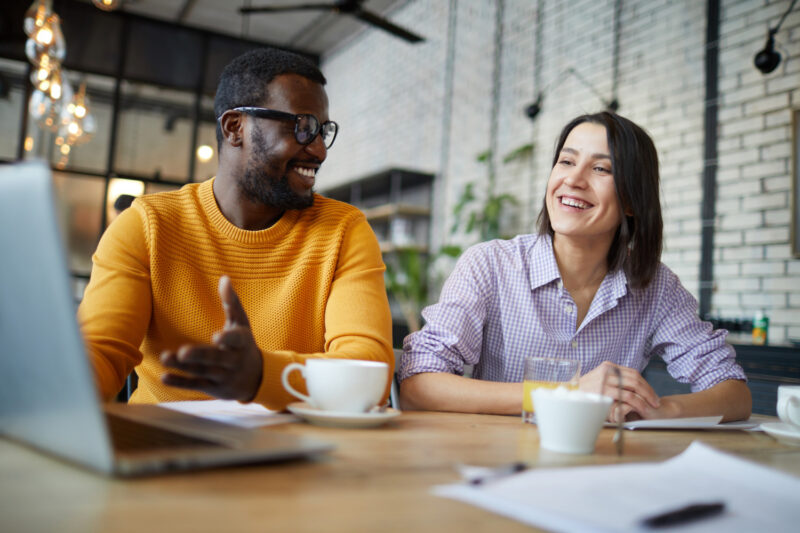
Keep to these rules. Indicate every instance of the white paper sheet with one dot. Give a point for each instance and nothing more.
(251, 415)
(703, 422)
(616, 498)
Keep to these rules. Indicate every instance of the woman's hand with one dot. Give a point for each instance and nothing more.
(638, 398)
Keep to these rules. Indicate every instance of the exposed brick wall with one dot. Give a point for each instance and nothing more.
(390, 99)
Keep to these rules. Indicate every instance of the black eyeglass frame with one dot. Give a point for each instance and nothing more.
(263, 112)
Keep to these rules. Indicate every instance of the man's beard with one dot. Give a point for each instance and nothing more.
(259, 186)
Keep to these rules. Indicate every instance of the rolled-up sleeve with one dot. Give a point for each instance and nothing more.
(453, 333)
(695, 353)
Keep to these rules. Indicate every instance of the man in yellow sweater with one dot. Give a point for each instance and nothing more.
(210, 291)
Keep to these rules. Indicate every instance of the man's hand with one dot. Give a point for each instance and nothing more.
(229, 368)
(638, 398)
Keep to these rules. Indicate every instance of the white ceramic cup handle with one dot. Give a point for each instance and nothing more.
(783, 409)
(289, 388)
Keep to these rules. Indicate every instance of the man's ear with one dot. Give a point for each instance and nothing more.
(232, 125)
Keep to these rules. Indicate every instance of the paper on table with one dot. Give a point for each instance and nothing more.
(617, 497)
(702, 422)
(250, 415)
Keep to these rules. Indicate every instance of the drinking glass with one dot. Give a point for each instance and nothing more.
(547, 372)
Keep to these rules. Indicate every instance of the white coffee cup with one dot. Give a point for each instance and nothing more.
(789, 405)
(569, 420)
(343, 385)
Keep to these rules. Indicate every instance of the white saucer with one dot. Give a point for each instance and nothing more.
(341, 420)
(783, 432)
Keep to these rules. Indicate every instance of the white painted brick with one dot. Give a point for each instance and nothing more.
(743, 95)
(767, 236)
(784, 83)
(769, 103)
(728, 206)
(766, 137)
(781, 217)
(765, 201)
(782, 117)
(725, 300)
(793, 267)
(742, 253)
(743, 188)
(772, 268)
(728, 238)
(777, 184)
(744, 125)
(763, 300)
(793, 332)
(780, 284)
(738, 285)
(765, 169)
(778, 251)
(794, 301)
(729, 174)
(661, 87)
(727, 270)
(741, 221)
(777, 334)
(784, 316)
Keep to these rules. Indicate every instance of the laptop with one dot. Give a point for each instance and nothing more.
(48, 397)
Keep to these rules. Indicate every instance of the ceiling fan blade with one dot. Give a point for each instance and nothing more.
(275, 9)
(384, 24)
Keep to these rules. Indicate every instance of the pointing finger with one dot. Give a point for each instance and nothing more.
(234, 312)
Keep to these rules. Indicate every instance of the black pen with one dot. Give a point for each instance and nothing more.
(497, 473)
(690, 513)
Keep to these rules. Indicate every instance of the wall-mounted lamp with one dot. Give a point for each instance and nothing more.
(533, 109)
(767, 59)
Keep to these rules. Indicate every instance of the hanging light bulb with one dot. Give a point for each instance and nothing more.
(36, 14)
(47, 111)
(52, 83)
(77, 124)
(47, 40)
(41, 75)
(107, 5)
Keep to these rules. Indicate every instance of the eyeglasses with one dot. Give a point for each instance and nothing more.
(306, 127)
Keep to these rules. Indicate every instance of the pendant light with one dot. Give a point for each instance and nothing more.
(108, 5)
(46, 40)
(35, 16)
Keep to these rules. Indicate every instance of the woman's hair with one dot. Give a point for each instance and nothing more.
(636, 247)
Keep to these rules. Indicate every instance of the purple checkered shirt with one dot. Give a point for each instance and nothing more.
(505, 301)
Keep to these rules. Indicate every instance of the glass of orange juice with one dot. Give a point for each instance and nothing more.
(549, 372)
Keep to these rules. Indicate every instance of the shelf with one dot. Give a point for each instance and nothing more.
(388, 247)
(387, 211)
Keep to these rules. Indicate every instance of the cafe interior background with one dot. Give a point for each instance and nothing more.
(447, 140)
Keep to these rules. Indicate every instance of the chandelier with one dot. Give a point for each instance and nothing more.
(53, 105)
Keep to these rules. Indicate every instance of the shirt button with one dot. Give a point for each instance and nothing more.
(568, 308)
(574, 344)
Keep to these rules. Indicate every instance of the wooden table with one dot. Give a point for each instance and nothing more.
(376, 480)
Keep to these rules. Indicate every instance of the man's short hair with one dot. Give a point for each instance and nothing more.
(244, 80)
(123, 202)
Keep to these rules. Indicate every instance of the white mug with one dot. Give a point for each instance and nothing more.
(789, 405)
(343, 385)
(569, 421)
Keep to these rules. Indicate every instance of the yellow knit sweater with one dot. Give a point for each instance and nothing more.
(312, 286)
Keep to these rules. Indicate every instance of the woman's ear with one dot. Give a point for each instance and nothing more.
(232, 126)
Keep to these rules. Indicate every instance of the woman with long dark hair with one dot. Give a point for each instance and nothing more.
(589, 286)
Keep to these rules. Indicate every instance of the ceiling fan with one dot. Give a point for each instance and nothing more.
(350, 7)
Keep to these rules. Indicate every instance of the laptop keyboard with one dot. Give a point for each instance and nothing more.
(128, 435)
